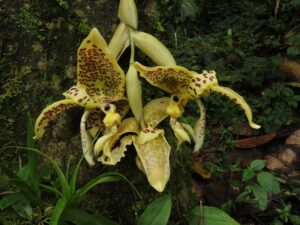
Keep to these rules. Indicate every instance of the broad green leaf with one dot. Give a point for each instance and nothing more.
(258, 164)
(158, 212)
(268, 182)
(81, 217)
(210, 216)
(295, 219)
(293, 51)
(23, 208)
(248, 174)
(9, 200)
(260, 195)
(23, 172)
(58, 210)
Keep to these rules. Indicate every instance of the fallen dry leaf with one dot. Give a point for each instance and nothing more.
(199, 169)
(294, 138)
(282, 160)
(291, 69)
(255, 141)
(286, 158)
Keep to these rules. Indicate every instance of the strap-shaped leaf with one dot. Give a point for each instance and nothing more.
(231, 94)
(49, 113)
(154, 157)
(178, 80)
(98, 73)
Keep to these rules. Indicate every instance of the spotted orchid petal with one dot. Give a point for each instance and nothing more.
(109, 154)
(99, 77)
(148, 134)
(153, 160)
(199, 129)
(49, 113)
(94, 122)
(229, 93)
(86, 140)
(178, 80)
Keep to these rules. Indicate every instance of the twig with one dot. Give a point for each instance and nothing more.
(6, 193)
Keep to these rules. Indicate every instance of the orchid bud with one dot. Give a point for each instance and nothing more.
(153, 48)
(120, 41)
(128, 13)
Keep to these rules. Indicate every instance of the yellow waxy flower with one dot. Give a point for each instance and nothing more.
(100, 81)
(187, 85)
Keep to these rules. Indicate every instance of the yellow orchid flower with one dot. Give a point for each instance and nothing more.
(99, 90)
(187, 85)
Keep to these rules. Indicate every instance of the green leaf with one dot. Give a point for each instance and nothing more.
(260, 195)
(23, 173)
(62, 179)
(157, 212)
(58, 210)
(23, 187)
(210, 216)
(23, 208)
(268, 182)
(81, 217)
(258, 164)
(74, 177)
(293, 51)
(295, 219)
(248, 174)
(32, 158)
(52, 189)
(103, 178)
(9, 200)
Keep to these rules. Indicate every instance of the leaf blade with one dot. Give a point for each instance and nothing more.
(157, 212)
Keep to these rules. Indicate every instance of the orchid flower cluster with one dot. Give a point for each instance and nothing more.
(105, 130)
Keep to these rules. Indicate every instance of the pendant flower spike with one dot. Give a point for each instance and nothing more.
(100, 86)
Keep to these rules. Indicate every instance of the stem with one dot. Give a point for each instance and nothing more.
(132, 47)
